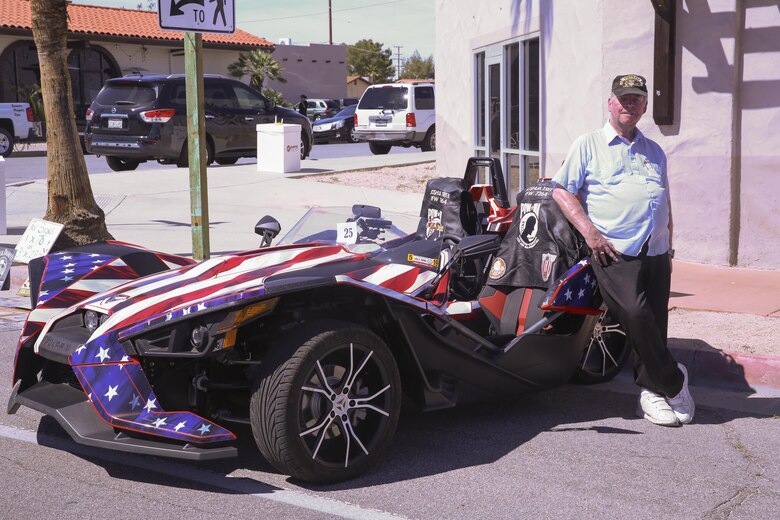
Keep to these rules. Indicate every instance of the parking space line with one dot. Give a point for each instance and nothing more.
(253, 488)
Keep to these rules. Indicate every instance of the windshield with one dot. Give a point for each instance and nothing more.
(354, 227)
(390, 98)
(346, 112)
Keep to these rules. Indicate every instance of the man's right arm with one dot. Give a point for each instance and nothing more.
(572, 210)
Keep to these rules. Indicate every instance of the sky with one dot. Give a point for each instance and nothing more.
(408, 23)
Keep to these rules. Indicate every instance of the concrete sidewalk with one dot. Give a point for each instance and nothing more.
(152, 208)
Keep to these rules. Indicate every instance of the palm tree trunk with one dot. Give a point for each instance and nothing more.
(71, 201)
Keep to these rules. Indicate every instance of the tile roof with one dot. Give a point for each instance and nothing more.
(118, 22)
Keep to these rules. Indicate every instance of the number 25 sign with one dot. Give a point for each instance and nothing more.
(204, 16)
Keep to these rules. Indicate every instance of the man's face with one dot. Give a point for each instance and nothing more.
(628, 109)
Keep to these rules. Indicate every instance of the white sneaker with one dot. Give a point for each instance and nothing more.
(655, 409)
(682, 403)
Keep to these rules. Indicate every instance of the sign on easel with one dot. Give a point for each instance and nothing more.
(37, 240)
(204, 16)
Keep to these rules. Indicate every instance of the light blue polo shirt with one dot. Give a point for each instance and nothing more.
(623, 188)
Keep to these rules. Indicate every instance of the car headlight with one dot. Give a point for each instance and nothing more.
(93, 320)
(338, 124)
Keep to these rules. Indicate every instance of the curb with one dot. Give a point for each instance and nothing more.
(728, 370)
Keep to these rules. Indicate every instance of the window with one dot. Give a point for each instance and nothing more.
(507, 113)
(423, 98)
(90, 67)
(249, 99)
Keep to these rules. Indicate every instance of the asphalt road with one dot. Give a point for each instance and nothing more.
(21, 167)
(573, 452)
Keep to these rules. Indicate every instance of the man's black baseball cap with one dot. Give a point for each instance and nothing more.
(629, 84)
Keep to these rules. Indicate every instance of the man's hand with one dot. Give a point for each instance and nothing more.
(603, 250)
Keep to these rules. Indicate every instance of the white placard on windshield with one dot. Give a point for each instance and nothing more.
(203, 16)
(346, 232)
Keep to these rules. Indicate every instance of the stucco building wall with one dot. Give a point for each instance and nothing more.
(723, 148)
(319, 71)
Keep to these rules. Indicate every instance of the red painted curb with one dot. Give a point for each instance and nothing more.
(708, 366)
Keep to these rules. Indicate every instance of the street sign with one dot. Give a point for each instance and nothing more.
(203, 16)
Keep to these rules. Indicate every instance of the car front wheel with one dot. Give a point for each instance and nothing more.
(325, 406)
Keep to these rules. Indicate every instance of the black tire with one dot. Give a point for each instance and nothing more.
(312, 417)
(184, 156)
(429, 142)
(122, 164)
(606, 352)
(378, 148)
(227, 161)
(6, 142)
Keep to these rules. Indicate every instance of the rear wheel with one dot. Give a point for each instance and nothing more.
(607, 352)
(429, 142)
(378, 148)
(184, 157)
(227, 160)
(6, 142)
(326, 406)
(352, 138)
(121, 164)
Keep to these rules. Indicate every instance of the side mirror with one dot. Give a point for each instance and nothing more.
(267, 227)
(366, 211)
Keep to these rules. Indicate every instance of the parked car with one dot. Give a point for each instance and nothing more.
(317, 109)
(345, 102)
(139, 118)
(397, 115)
(316, 342)
(339, 127)
(16, 125)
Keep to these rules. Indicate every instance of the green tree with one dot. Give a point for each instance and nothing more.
(367, 58)
(259, 66)
(276, 97)
(418, 68)
(71, 201)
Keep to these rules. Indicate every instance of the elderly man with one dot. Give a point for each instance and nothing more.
(613, 188)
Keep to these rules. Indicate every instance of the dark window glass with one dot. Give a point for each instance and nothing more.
(479, 75)
(532, 96)
(423, 98)
(248, 99)
(390, 98)
(134, 93)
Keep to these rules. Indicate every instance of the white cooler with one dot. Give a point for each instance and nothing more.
(278, 148)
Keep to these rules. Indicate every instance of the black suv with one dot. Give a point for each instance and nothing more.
(139, 118)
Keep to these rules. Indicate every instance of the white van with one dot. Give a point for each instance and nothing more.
(397, 114)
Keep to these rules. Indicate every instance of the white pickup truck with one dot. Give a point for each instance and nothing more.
(16, 124)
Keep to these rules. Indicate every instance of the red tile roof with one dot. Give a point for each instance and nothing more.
(117, 22)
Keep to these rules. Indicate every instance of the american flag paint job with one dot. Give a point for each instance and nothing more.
(114, 381)
(576, 291)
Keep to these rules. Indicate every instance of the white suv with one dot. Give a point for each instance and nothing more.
(397, 114)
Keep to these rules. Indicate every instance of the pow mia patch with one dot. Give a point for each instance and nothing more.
(528, 235)
(498, 269)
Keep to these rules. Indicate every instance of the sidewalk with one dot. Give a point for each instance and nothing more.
(151, 208)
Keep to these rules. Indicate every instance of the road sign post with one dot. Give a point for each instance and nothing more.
(195, 17)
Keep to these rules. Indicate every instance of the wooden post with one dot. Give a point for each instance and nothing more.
(196, 144)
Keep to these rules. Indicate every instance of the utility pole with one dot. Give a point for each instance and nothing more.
(330, 23)
(398, 60)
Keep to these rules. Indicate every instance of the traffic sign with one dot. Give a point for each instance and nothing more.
(203, 16)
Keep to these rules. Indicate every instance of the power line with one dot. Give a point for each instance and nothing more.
(322, 12)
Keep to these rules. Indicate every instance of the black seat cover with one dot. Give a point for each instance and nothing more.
(447, 209)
